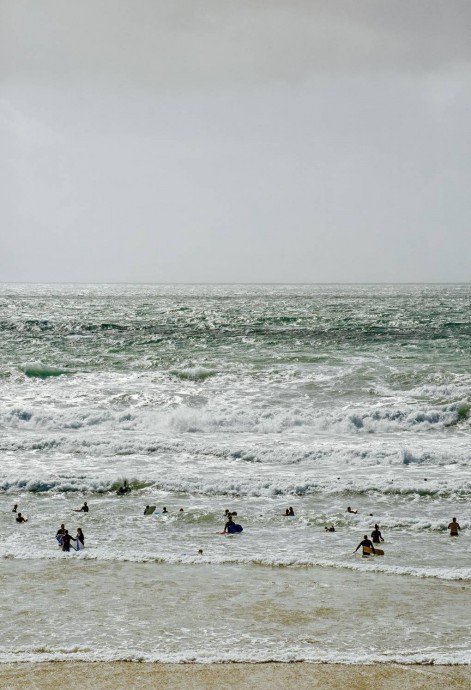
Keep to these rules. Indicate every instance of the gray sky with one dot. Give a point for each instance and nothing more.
(235, 141)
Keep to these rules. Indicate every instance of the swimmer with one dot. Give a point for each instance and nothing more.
(376, 535)
(454, 528)
(286, 513)
(20, 518)
(15, 508)
(124, 489)
(200, 552)
(291, 511)
(83, 509)
(365, 543)
(330, 529)
(349, 510)
(164, 510)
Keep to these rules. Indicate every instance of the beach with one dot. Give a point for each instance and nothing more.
(136, 676)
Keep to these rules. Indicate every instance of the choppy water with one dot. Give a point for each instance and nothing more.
(252, 398)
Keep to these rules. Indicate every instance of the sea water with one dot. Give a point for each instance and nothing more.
(248, 398)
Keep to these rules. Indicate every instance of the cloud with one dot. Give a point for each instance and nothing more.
(175, 44)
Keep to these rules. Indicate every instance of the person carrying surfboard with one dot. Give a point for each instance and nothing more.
(454, 528)
(230, 527)
(366, 543)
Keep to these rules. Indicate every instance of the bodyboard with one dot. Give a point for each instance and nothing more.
(368, 552)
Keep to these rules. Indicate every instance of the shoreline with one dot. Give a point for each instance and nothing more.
(113, 675)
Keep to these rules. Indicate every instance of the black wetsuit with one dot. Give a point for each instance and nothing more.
(366, 542)
(376, 536)
(66, 542)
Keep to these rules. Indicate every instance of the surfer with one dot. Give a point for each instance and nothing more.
(164, 510)
(59, 534)
(376, 535)
(66, 541)
(79, 537)
(349, 510)
(230, 527)
(20, 518)
(365, 543)
(454, 528)
(15, 507)
(124, 489)
(83, 509)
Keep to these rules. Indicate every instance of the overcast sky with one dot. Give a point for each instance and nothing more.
(235, 140)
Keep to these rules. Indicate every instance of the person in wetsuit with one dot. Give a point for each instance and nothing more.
(66, 538)
(83, 509)
(365, 543)
(454, 528)
(376, 535)
(20, 518)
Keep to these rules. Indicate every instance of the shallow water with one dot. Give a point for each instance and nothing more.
(253, 398)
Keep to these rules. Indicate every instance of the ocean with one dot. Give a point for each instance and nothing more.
(251, 398)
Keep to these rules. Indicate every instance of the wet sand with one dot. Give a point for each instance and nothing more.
(147, 676)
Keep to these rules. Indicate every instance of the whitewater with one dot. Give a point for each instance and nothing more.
(251, 398)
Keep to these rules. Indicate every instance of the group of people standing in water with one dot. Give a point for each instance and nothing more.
(368, 545)
(65, 539)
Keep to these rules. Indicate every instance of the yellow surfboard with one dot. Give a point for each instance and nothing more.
(368, 552)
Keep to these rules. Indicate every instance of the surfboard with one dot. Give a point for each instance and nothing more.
(150, 510)
(368, 552)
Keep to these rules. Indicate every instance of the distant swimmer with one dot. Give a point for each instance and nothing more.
(349, 510)
(330, 529)
(164, 510)
(454, 528)
(83, 509)
(286, 513)
(200, 552)
(20, 518)
(230, 527)
(15, 508)
(291, 512)
(365, 543)
(376, 535)
(125, 489)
